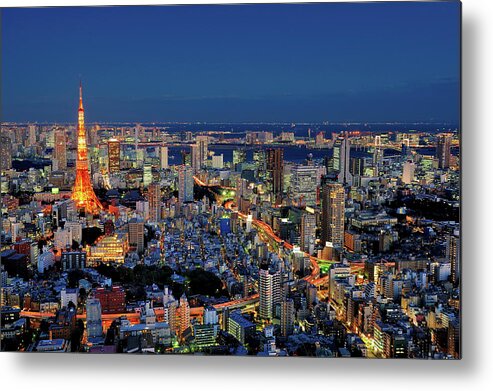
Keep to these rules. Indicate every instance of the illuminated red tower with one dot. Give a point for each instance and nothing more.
(82, 192)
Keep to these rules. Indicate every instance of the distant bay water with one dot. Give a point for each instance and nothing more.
(296, 154)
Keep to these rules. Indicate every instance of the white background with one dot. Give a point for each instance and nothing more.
(82, 372)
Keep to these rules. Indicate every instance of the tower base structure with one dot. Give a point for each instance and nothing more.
(83, 194)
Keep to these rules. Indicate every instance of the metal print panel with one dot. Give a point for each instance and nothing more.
(265, 180)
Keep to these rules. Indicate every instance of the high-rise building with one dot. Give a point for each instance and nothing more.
(304, 183)
(163, 157)
(203, 150)
(259, 159)
(217, 161)
(142, 209)
(147, 174)
(300, 262)
(94, 323)
(82, 192)
(444, 142)
(275, 169)
(308, 228)
(138, 130)
(139, 157)
(5, 153)
(61, 149)
(31, 134)
(453, 253)
(195, 157)
(154, 198)
(93, 135)
(377, 154)
(183, 315)
(185, 184)
(453, 339)
(136, 234)
(239, 156)
(45, 260)
(333, 213)
(287, 317)
(269, 291)
(341, 160)
(408, 172)
(210, 315)
(113, 155)
(62, 238)
(357, 166)
(170, 304)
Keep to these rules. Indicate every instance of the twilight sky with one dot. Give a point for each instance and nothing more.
(366, 62)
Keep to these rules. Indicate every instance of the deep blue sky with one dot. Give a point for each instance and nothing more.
(338, 62)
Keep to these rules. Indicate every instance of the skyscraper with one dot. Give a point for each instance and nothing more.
(287, 317)
(239, 156)
(275, 169)
(147, 174)
(82, 192)
(444, 142)
(163, 157)
(31, 135)
(183, 315)
(357, 166)
(93, 135)
(453, 253)
(304, 182)
(170, 304)
(5, 153)
(377, 155)
(408, 172)
(61, 149)
(203, 150)
(113, 155)
(308, 228)
(270, 292)
(185, 184)
(154, 197)
(137, 133)
(333, 213)
(453, 338)
(195, 157)
(259, 159)
(341, 160)
(217, 161)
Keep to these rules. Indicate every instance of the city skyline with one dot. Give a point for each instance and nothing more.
(267, 239)
(301, 63)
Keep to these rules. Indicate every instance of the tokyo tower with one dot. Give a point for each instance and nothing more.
(82, 192)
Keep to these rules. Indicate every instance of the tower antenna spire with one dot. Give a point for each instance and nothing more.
(81, 107)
